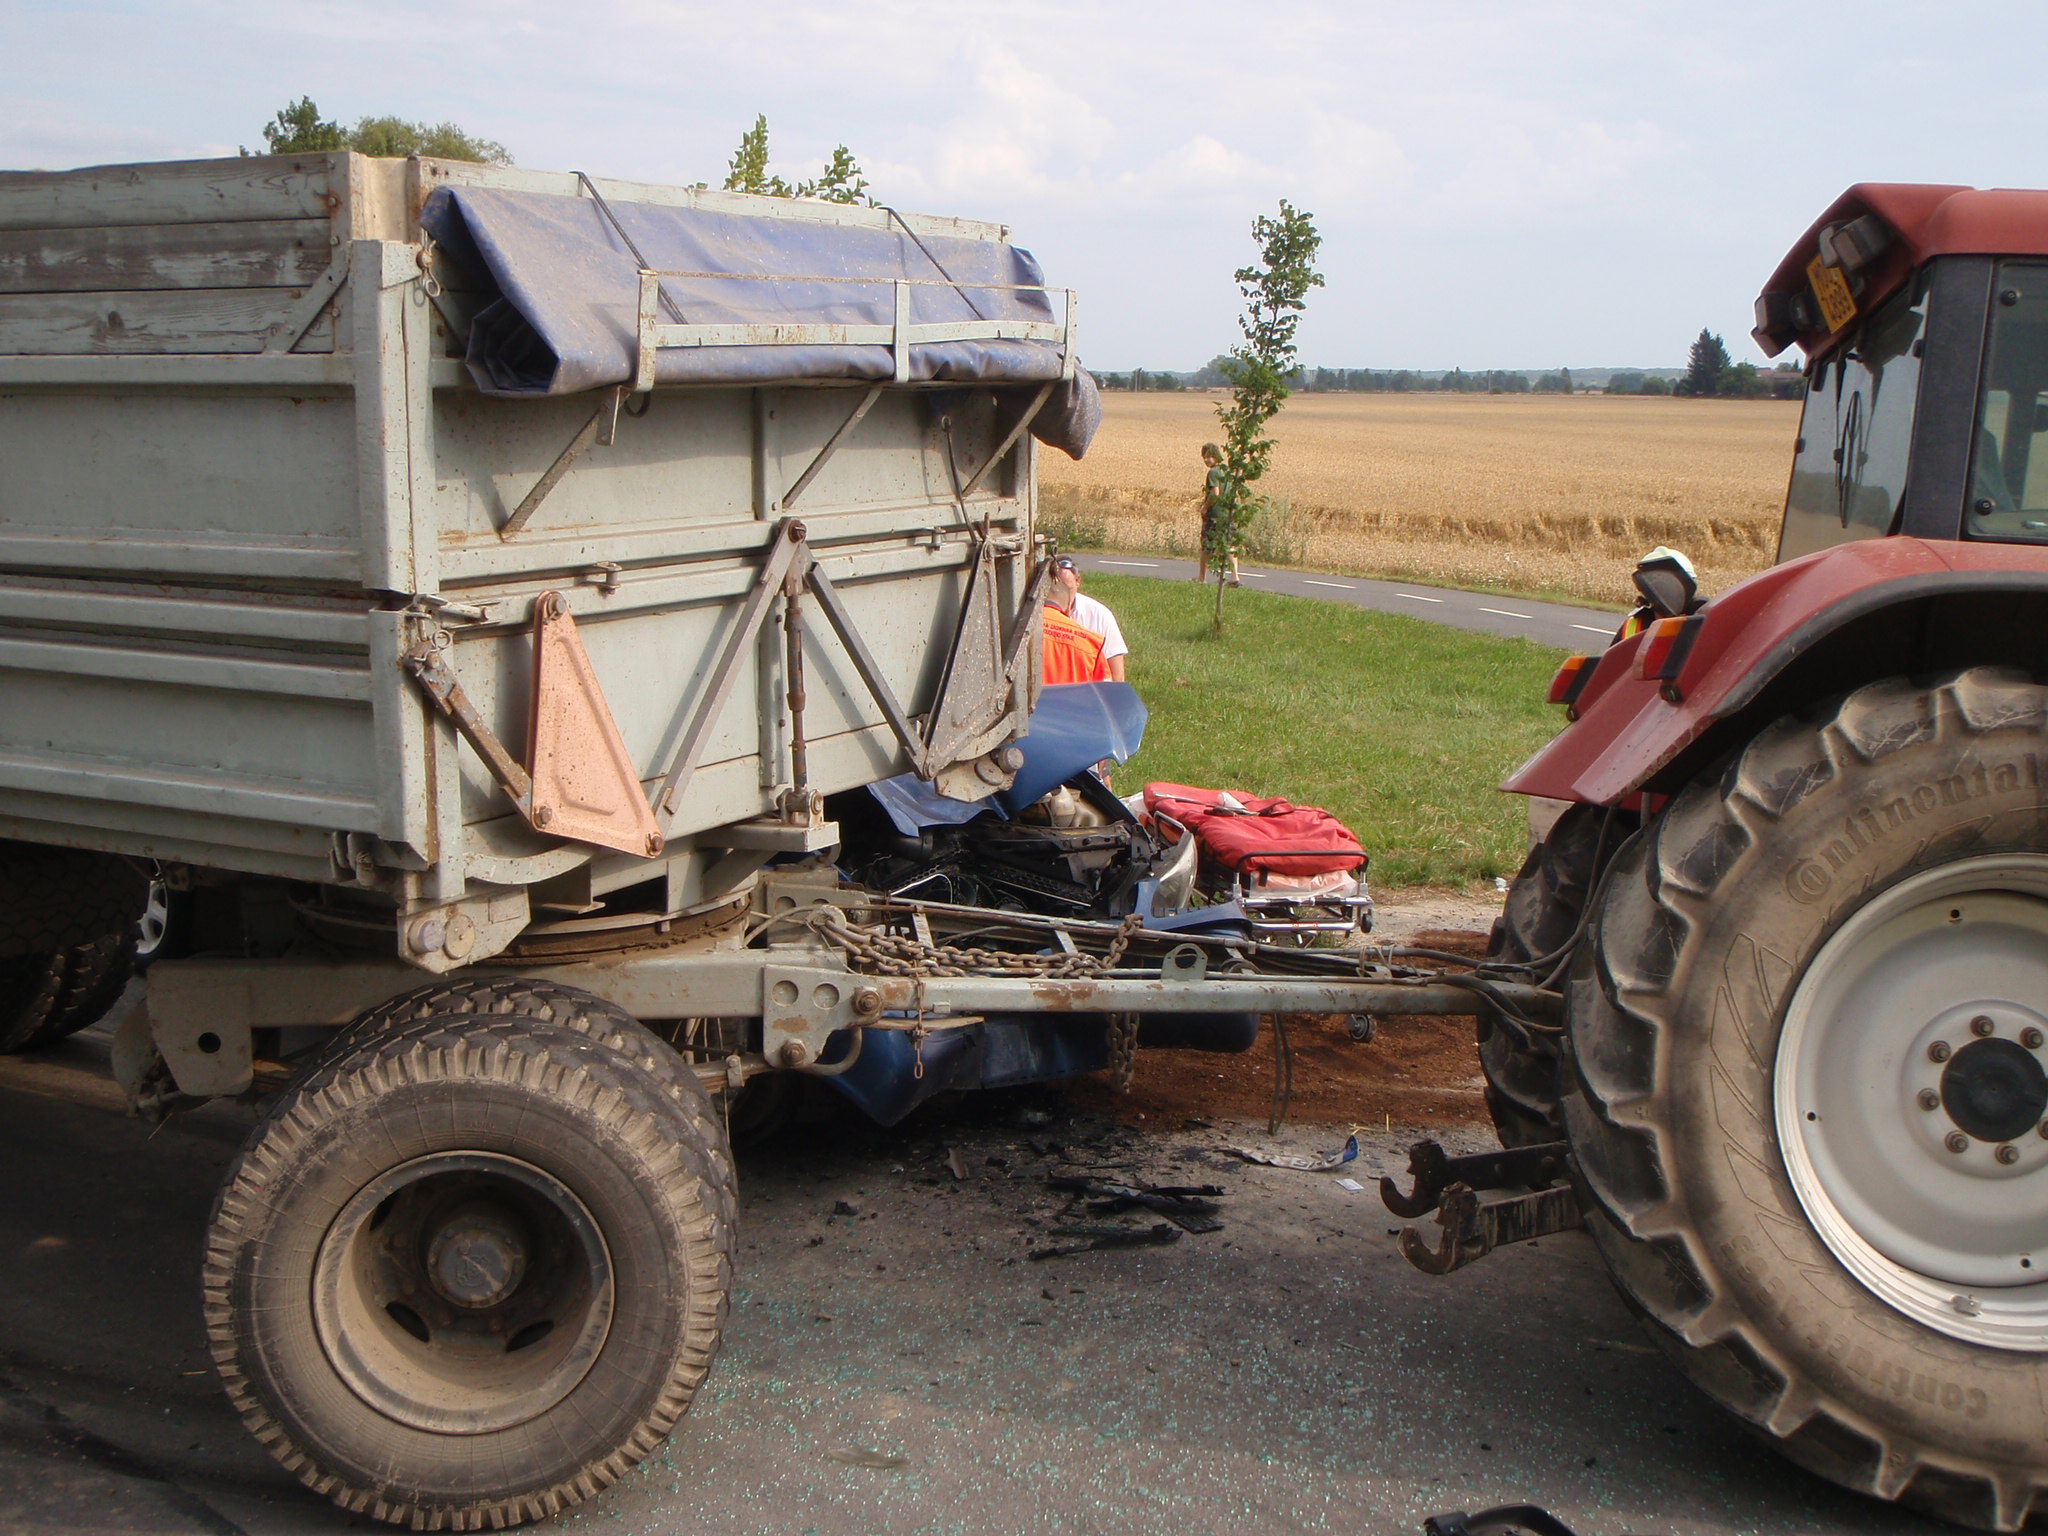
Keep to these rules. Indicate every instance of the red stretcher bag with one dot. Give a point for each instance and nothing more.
(1266, 837)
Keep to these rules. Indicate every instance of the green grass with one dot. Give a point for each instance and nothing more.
(1400, 727)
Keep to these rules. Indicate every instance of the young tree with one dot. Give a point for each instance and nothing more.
(747, 171)
(395, 136)
(299, 129)
(1275, 293)
(1704, 366)
(840, 182)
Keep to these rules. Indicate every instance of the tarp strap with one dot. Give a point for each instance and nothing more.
(641, 261)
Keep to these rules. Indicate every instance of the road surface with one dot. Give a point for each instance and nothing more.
(1554, 624)
(907, 1370)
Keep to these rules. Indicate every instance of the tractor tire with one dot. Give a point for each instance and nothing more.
(44, 998)
(1542, 913)
(1805, 1095)
(469, 1271)
(568, 1008)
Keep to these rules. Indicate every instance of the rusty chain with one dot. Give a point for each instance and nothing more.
(1123, 1050)
(877, 953)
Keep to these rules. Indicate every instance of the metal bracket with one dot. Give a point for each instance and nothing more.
(584, 783)
(1009, 440)
(1472, 1229)
(803, 1006)
(867, 403)
(430, 668)
(788, 548)
(1434, 1171)
(602, 430)
(288, 332)
(790, 569)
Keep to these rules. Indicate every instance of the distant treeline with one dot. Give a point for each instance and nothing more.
(1742, 380)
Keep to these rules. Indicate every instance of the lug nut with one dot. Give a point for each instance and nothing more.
(1981, 1026)
(2008, 1154)
(1956, 1142)
(1929, 1099)
(2030, 1037)
(1938, 1051)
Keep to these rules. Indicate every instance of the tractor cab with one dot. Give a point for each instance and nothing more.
(1923, 314)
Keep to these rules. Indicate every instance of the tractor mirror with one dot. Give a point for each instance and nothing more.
(1667, 587)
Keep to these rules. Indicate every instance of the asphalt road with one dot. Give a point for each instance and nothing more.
(1569, 629)
(908, 1371)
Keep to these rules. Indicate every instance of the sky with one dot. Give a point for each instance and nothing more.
(1499, 183)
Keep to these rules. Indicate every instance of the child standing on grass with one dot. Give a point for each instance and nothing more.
(1216, 489)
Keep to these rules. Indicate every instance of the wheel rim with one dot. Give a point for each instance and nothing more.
(1911, 1090)
(463, 1292)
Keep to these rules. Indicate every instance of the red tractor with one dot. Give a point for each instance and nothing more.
(1798, 904)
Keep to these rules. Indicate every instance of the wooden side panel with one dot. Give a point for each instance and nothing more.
(174, 192)
(164, 320)
(256, 253)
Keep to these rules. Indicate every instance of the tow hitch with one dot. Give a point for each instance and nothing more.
(1471, 1227)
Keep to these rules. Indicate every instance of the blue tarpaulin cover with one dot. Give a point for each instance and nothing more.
(566, 297)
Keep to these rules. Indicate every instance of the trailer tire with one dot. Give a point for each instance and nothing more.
(44, 998)
(1817, 1249)
(1541, 914)
(567, 1007)
(469, 1271)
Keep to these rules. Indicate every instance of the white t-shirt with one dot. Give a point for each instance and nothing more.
(1096, 619)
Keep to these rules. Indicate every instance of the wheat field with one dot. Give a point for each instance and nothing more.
(1547, 494)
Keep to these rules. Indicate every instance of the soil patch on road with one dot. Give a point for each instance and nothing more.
(1415, 1071)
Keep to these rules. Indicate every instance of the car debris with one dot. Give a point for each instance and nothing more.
(1508, 1520)
(1189, 1206)
(1090, 1239)
(1300, 1164)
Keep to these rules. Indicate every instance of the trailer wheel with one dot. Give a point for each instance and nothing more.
(44, 998)
(1542, 913)
(586, 1013)
(469, 1271)
(1807, 1097)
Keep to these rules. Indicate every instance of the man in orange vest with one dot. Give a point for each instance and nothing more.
(1072, 654)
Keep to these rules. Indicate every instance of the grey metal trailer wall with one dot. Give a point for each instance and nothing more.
(242, 470)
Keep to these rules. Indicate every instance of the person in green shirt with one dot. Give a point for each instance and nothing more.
(1216, 489)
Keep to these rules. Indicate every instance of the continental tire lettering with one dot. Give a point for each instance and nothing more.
(1807, 881)
(1811, 879)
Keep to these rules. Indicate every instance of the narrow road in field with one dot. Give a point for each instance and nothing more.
(1569, 629)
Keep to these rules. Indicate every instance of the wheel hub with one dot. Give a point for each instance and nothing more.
(1911, 1094)
(1994, 1090)
(477, 1258)
(462, 1292)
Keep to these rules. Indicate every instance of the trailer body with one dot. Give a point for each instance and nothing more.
(247, 469)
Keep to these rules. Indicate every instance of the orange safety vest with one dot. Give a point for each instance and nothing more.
(1072, 654)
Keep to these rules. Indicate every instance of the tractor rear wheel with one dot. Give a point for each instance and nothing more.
(1806, 1095)
(1543, 910)
(469, 1270)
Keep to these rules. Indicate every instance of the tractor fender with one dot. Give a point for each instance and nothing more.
(1787, 636)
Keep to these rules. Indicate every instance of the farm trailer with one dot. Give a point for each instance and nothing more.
(463, 588)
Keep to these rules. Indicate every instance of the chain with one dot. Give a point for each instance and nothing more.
(1123, 1050)
(878, 953)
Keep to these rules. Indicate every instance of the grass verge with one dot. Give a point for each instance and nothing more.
(1400, 727)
